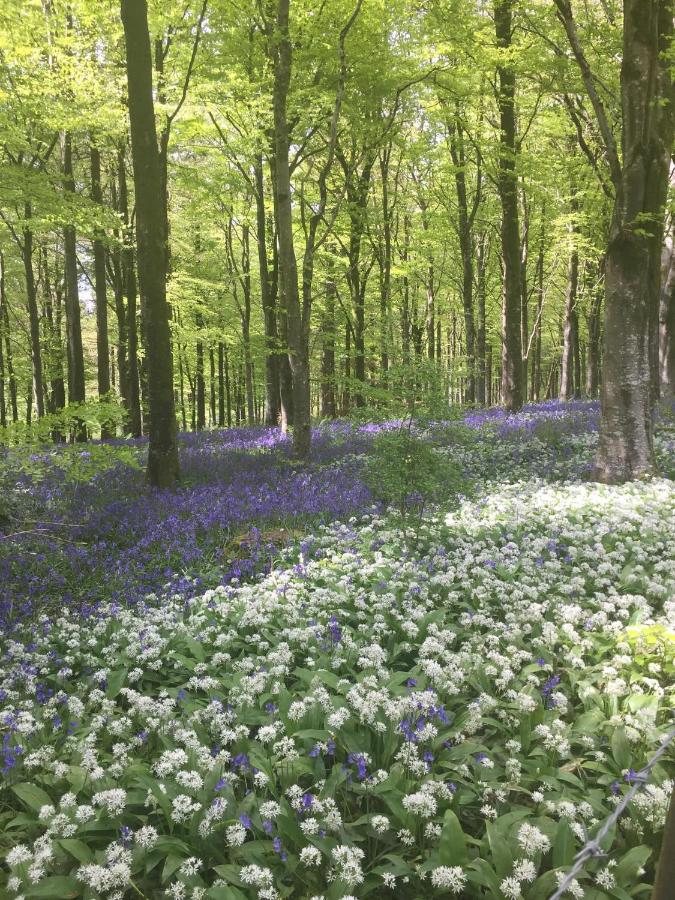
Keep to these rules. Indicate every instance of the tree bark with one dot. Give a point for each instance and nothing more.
(102, 346)
(76, 385)
(328, 405)
(625, 448)
(465, 223)
(288, 270)
(667, 328)
(569, 386)
(163, 469)
(268, 302)
(221, 385)
(33, 313)
(507, 184)
(131, 290)
(200, 399)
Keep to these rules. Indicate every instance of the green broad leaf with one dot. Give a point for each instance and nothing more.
(229, 873)
(621, 748)
(224, 892)
(563, 845)
(116, 681)
(543, 887)
(395, 865)
(452, 845)
(172, 863)
(172, 844)
(481, 872)
(32, 795)
(19, 821)
(629, 864)
(502, 856)
(65, 887)
(78, 849)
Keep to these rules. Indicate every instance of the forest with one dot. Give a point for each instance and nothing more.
(337, 449)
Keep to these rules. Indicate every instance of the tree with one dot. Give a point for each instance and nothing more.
(163, 469)
(632, 259)
(507, 184)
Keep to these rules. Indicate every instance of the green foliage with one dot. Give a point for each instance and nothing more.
(95, 415)
(405, 471)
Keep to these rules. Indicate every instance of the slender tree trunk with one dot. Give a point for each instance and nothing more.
(221, 385)
(163, 470)
(481, 380)
(524, 294)
(212, 388)
(199, 377)
(131, 290)
(228, 390)
(102, 347)
(358, 185)
(385, 269)
(33, 314)
(667, 314)
(288, 270)
(3, 301)
(76, 385)
(328, 406)
(507, 183)
(568, 386)
(347, 393)
(268, 302)
(466, 250)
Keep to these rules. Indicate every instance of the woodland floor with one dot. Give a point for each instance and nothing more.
(268, 685)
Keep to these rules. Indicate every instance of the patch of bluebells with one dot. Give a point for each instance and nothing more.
(106, 537)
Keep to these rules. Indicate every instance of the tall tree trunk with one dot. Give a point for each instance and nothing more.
(328, 406)
(163, 470)
(3, 301)
(268, 302)
(102, 347)
(568, 386)
(535, 379)
(200, 399)
(33, 314)
(76, 386)
(524, 294)
(481, 379)
(507, 184)
(288, 270)
(9, 359)
(466, 217)
(667, 311)
(212, 388)
(131, 290)
(221, 384)
(228, 389)
(625, 448)
(358, 185)
(385, 266)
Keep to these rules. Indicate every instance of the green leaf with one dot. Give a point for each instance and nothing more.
(116, 680)
(629, 864)
(172, 863)
(78, 849)
(32, 795)
(563, 846)
(224, 892)
(621, 748)
(64, 887)
(452, 845)
(501, 852)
